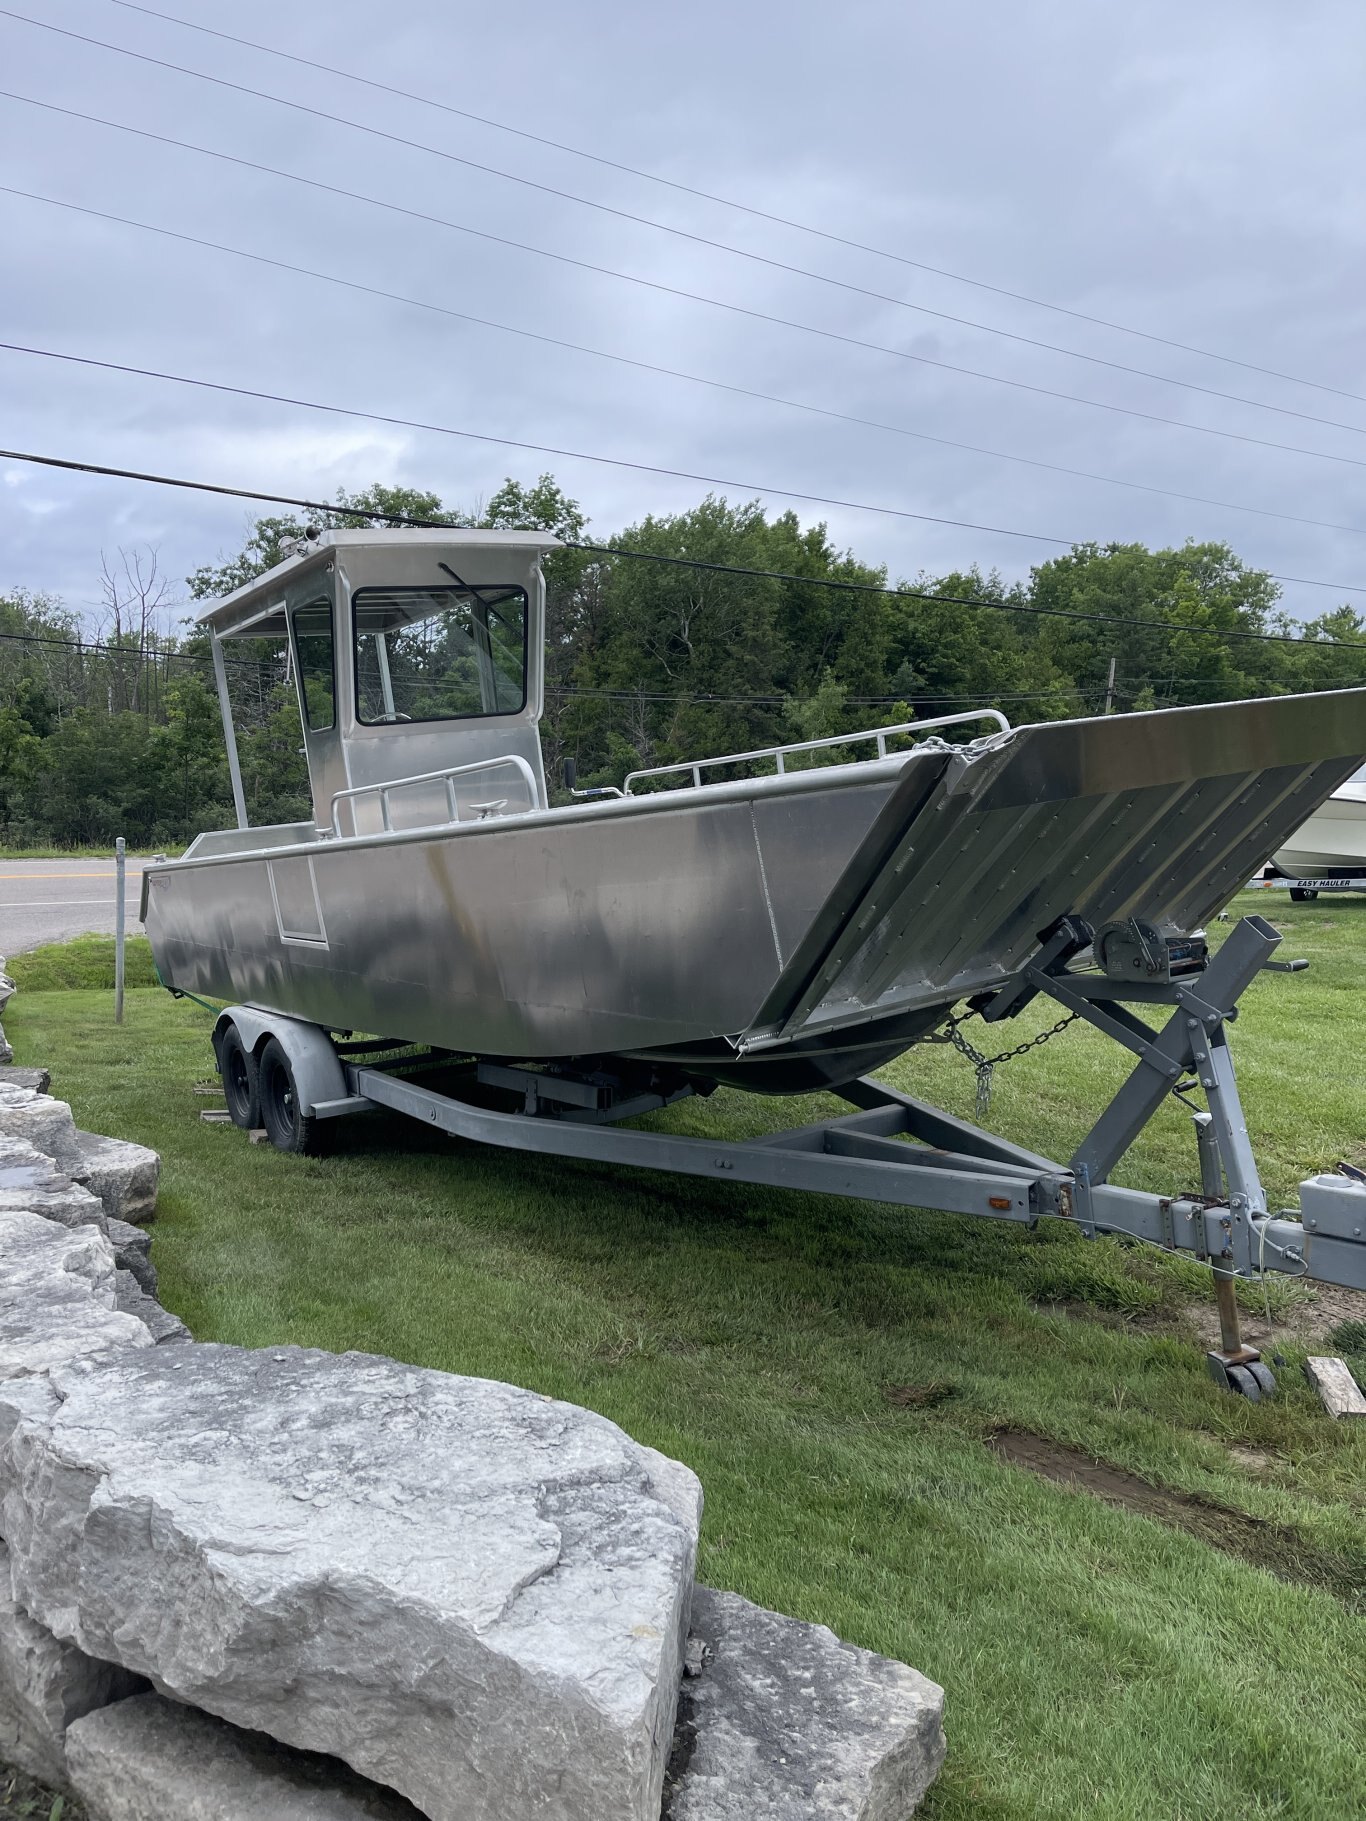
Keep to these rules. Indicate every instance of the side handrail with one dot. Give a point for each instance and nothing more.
(448, 775)
(780, 754)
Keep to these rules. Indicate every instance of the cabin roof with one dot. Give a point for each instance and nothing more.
(257, 609)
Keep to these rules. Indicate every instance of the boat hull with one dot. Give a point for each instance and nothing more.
(601, 930)
(786, 932)
(1332, 843)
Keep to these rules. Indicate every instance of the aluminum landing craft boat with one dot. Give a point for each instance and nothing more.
(781, 931)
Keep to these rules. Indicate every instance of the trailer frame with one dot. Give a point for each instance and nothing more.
(893, 1148)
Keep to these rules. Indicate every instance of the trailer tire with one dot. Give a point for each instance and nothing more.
(241, 1081)
(290, 1128)
(1300, 896)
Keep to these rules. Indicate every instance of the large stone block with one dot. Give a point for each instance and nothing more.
(133, 1252)
(122, 1174)
(44, 1686)
(31, 1182)
(57, 1297)
(149, 1759)
(39, 1080)
(43, 1122)
(471, 1593)
(786, 1723)
(132, 1299)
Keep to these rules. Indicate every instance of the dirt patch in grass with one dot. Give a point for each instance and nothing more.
(1278, 1548)
(1325, 1307)
(1157, 1320)
(918, 1397)
(1313, 1317)
(1252, 1460)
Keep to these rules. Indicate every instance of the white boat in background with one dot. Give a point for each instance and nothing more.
(1329, 850)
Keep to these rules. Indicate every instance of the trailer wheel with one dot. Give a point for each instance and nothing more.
(289, 1127)
(1300, 895)
(241, 1089)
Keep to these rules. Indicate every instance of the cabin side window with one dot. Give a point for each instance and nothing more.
(317, 670)
(439, 654)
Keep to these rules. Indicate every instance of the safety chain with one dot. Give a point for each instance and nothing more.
(985, 1066)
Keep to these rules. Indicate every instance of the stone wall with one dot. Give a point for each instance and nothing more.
(288, 1583)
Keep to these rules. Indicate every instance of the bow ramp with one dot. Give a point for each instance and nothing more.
(973, 860)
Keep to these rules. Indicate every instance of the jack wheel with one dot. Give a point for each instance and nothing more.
(241, 1089)
(1265, 1377)
(288, 1127)
(1253, 1382)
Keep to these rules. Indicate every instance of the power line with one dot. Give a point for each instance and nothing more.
(554, 341)
(779, 265)
(151, 654)
(609, 461)
(508, 442)
(652, 284)
(341, 510)
(686, 189)
(920, 594)
(155, 654)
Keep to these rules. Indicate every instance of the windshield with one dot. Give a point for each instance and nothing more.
(439, 654)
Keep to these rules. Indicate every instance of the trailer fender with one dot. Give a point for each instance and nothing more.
(319, 1080)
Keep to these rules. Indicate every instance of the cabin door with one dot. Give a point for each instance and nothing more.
(313, 654)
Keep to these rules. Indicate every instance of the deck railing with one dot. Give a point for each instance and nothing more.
(781, 754)
(447, 776)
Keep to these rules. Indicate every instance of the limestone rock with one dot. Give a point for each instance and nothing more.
(38, 1080)
(473, 1594)
(122, 1174)
(132, 1299)
(786, 1723)
(31, 1182)
(22, 1398)
(133, 1252)
(7, 987)
(57, 1296)
(147, 1759)
(6, 1053)
(44, 1686)
(44, 1122)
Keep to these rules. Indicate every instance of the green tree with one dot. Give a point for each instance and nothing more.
(1204, 585)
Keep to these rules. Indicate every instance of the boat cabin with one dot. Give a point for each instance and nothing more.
(418, 659)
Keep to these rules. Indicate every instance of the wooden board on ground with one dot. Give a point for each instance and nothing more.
(1335, 1385)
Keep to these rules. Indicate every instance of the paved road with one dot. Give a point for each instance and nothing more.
(52, 900)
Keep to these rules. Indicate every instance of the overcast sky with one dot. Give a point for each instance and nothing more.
(1195, 172)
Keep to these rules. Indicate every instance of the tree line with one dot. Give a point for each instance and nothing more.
(647, 662)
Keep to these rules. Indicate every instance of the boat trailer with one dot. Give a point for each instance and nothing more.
(288, 1075)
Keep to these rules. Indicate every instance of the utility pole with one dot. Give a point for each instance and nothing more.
(119, 850)
(1110, 688)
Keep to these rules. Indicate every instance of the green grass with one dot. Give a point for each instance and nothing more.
(85, 964)
(21, 1799)
(41, 852)
(1097, 1662)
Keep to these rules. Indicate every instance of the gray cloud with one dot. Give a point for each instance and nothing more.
(1195, 173)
